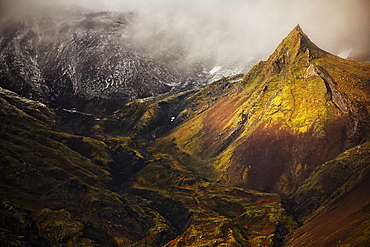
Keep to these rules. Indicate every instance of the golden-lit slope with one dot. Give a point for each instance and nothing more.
(291, 113)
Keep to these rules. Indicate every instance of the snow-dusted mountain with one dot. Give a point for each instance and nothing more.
(89, 61)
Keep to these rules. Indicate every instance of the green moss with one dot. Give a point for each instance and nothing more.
(99, 150)
(279, 94)
(69, 175)
(126, 143)
(7, 238)
(58, 226)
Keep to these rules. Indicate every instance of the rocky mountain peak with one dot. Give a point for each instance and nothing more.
(298, 28)
(298, 39)
(294, 47)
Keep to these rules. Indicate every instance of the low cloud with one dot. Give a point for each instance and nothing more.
(227, 30)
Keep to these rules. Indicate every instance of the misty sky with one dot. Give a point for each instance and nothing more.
(228, 29)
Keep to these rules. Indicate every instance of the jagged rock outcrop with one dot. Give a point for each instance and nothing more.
(336, 97)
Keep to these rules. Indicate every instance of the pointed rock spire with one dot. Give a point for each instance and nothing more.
(298, 28)
(295, 44)
(298, 39)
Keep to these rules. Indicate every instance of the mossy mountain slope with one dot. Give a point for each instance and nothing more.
(62, 189)
(290, 114)
(162, 171)
(297, 110)
(58, 189)
(272, 130)
(333, 202)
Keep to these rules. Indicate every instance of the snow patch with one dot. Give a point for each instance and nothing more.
(215, 69)
(345, 53)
